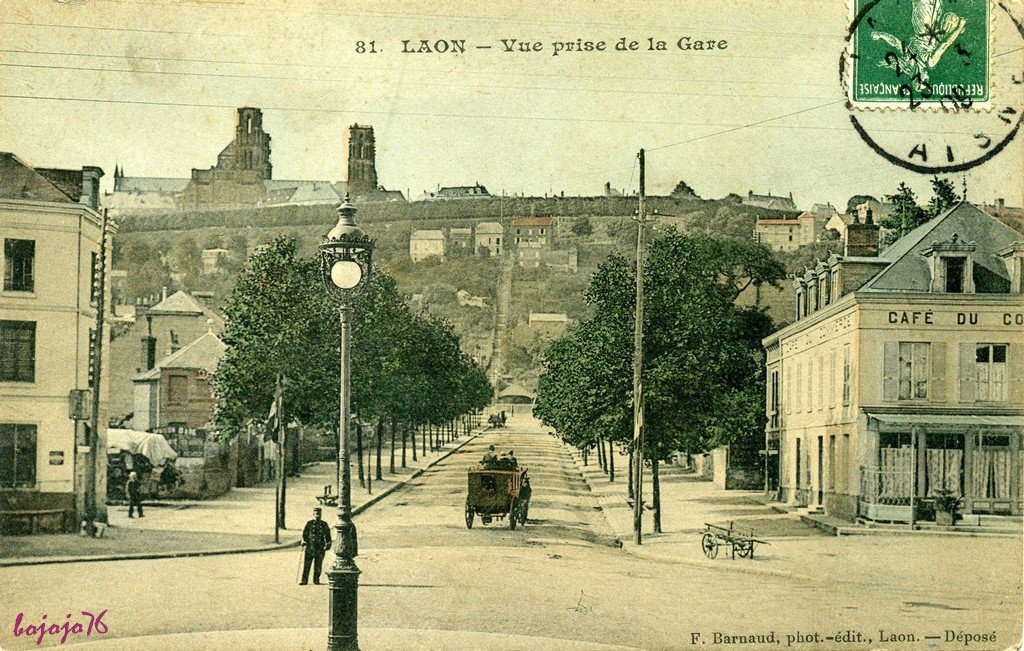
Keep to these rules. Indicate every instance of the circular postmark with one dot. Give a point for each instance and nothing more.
(931, 88)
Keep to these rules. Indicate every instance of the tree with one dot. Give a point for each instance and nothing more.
(684, 191)
(906, 214)
(279, 320)
(701, 368)
(944, 196)
(582, 227)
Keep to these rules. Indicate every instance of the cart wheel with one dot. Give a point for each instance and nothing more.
(744, 550)
(469, 516)
(710, 545)
(513, 515)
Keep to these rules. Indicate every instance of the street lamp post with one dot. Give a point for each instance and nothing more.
(346, 263)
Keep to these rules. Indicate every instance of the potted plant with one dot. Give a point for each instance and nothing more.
(947, 507)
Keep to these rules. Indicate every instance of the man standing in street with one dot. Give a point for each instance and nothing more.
(131, 488)
(316, 538)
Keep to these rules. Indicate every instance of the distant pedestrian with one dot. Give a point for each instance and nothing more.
(503, 418)
(316, 538)
(269, 459)
(132, 489)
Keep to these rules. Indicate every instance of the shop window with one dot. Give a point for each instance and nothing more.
(913, 365)
(17, 351)
(17, 456)
(991, 367)
(19, 265)
(994, 440)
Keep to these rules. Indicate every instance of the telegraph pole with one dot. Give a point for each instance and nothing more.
(91, 469)
(638, 352)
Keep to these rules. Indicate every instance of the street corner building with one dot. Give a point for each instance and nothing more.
(52, 234)
(902, 375)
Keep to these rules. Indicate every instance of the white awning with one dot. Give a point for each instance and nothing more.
(153, 446)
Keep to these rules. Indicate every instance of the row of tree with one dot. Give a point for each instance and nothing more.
(408, 371)
(701, 368)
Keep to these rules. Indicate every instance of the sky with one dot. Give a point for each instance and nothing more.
(153, 87)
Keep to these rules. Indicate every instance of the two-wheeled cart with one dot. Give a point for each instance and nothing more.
(741, 545)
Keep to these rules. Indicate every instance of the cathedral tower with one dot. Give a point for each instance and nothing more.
(362, 171)
(251, 148)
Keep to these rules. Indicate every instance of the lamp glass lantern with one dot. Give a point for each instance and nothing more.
(346, 254)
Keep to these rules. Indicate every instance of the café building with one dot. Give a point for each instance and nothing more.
(902, 374)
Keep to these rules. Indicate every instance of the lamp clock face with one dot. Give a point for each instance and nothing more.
(346, 274)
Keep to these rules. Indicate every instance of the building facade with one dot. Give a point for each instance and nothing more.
(789, 234)
(903, 374)
(487, 239)
(425, 244)
(51, 232)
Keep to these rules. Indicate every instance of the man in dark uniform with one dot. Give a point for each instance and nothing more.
(134, 494)
(316, 538)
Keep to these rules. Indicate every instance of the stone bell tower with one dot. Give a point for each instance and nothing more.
(362, 171)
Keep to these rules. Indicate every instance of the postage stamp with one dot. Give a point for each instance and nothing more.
(907, 53)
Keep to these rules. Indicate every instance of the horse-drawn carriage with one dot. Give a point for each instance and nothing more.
(498, 494)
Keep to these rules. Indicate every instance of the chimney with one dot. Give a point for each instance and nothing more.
(869, 217)
(163, 293)
(149, 345)
(91, 187)
(862, 239)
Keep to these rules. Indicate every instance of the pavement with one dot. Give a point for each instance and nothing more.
(239, 521)
(796, 549)
(559, 582)
(314, 639)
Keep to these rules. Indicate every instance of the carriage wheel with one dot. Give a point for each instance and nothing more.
(469, 516)
(710, 545)
(513, 515)
(745, 549)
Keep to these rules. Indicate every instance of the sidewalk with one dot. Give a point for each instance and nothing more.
(379, 639)
(796, 549)
(240, 521)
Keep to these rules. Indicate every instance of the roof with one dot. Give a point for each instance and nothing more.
(157, 184)
(908, 267)
(823, 209)
(464, 232)
(180, 302)
(427, 235)
(489, 227)
(769, 201)
(516, 389)
(203, 353)
(551, 317)
(19, 180)
(531, 221)
(306, 191)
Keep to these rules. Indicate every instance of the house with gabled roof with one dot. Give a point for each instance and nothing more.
(178, 392)
(902, 376)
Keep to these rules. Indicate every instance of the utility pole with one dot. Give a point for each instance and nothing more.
(282, 449)
(91, 469)
(638, 353)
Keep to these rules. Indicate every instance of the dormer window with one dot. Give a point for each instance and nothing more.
(952, 266)
(954, 274)
(1013, 257)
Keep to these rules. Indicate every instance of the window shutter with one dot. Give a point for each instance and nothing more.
(937, 372)
(1015, 373)
(968, 372)
(890, 370)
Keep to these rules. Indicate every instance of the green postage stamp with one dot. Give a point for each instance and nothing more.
(911, 53)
